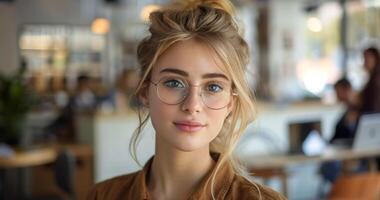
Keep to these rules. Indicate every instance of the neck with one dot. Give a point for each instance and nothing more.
(175, 174)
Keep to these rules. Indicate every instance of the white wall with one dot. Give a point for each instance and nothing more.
(110, 136)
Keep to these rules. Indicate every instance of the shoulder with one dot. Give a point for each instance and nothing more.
(244, 189)
(112, 188)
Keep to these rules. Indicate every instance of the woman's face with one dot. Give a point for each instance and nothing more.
(369, 61)
(190, 124)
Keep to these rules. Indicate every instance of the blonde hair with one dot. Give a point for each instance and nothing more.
(211, 22)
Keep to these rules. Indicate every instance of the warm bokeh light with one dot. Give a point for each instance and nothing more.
(314, 24)
(144, 15)
(100, 26)
(316, 74)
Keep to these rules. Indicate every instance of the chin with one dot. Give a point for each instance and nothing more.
(189, 146)
(187, 149)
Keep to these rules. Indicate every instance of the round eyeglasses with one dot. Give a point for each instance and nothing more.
(214, 94)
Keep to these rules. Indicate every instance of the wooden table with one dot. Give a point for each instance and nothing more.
(39, 156)
(275, 165)
(15, 165)
(28, 158)
(84, 173)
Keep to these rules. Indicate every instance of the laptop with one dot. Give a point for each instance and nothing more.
(368, 133)
(305, 138)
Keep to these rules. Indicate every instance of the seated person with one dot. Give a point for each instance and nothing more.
(82, 102)
(347, 124)
(344, 129)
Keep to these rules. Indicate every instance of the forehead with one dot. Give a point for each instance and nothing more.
(191, 56)
(369, 54)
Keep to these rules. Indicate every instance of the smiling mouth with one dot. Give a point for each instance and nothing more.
(189, 127)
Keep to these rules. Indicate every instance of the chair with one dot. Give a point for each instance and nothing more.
(64, 169)
(359, 186)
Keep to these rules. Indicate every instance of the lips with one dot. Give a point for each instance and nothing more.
(189, 126)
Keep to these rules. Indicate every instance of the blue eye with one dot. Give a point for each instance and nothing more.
(214, 88)
(174, 84)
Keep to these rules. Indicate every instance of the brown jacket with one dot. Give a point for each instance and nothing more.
(228, 185)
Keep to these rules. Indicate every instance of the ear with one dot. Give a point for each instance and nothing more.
(231, 105)
(143, 94)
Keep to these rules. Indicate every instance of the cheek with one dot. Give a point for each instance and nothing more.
(157, 109)
(161, 116)
(372, 63)
(216, 120)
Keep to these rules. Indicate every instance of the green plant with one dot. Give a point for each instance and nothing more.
(15, 102)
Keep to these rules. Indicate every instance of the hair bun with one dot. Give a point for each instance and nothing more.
(225, 5)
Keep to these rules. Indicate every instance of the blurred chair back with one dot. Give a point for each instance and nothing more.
(359, 186)
(65, 172)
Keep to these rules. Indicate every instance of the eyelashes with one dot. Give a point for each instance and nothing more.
(177, 83)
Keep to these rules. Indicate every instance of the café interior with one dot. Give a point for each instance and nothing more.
(68, 73)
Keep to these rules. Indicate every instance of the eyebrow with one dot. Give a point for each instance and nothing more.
(183, 73)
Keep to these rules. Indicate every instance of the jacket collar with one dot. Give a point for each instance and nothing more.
(222, 182)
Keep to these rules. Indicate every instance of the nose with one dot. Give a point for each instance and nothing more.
(193, 101)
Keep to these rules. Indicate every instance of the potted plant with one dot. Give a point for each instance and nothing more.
(15, 102)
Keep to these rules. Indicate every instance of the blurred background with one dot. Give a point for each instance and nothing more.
(68, 70)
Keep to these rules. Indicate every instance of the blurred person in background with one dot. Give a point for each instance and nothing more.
(83, 101)
(346, 126)
(61, 95)
(370, 95)
(368, 101)
(98, 89)
(121, 98)
(57, 92)
(38, 84)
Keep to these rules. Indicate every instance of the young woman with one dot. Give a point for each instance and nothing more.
(194, 91)
(370, 96)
